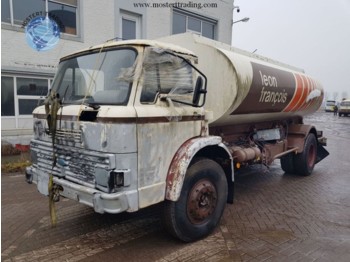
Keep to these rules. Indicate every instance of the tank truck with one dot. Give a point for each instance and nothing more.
(129, 124)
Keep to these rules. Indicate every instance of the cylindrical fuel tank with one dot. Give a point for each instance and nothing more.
(245, 87)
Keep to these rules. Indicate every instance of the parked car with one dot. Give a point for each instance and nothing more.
(330, 104)
(344, 108)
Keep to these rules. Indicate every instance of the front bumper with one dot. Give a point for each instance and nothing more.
(100, 201)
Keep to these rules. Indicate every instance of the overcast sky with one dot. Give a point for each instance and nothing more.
(309, 34)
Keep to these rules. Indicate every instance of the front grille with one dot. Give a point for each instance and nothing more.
(68, 137)
(74, 164)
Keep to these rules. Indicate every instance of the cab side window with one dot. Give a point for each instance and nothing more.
(165, 73)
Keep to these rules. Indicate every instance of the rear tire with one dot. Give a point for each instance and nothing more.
(201, 203)
(306, 160)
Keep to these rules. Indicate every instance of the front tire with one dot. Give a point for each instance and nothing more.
(306, 160)
(201, 203)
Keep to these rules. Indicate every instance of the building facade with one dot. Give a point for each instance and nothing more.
(27, 74)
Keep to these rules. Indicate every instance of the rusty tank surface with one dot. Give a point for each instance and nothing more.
(245, 87)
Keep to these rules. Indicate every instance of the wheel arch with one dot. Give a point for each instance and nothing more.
(297, 137)
(210, 147)
(297, 134)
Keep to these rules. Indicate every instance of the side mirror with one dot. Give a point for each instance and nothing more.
(198, 90)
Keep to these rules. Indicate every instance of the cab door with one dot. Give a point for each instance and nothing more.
(162, 124)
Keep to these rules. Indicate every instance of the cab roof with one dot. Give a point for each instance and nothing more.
(138, 42)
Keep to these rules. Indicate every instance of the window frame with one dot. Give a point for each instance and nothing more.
(201, 18)
(130, 17)
(192, 73)
(14, 96)
(19, 97)
(67, 36)
(17, 116)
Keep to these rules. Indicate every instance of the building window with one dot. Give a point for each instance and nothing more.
(30, 93)
(64, 12)
(22, 9)
(130, 26)
(20, 95)
(7, 96)
(5, 11)
(184, 21)
(208, 30)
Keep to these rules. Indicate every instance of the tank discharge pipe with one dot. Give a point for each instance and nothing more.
(241, 154)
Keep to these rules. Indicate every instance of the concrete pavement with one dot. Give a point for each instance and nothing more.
(275, 217)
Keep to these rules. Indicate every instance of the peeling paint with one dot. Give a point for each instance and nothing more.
(181, 161)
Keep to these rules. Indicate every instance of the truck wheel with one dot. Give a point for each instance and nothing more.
(287, 163)
(201, 203)
(305, 161)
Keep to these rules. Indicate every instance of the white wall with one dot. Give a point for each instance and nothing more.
(98, 21)
(159, 20)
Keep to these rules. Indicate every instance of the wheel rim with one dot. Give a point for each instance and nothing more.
(202, 201)
(311, 156)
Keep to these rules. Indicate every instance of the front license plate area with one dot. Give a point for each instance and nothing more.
(43, 183)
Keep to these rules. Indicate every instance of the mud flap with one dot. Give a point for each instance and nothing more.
(321, 153)
(230, 193)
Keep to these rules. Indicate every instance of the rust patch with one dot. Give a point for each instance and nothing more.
(181, 161)
(175, 167)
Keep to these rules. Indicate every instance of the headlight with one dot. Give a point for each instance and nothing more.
(112, 180)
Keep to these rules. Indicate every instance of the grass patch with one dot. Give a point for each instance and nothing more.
(15, 167)
(15, 163)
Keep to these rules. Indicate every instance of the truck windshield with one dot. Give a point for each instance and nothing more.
(95, 78)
